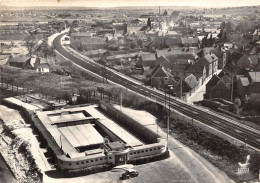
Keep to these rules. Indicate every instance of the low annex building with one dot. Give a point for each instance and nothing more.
(85, 137)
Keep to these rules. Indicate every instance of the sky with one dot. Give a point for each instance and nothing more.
(116, 3)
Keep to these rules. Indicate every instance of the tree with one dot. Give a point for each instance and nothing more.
(140, 43)
(125, 29)
(237, 104)
(29, 43)
(132, 45)
(229, 27)
(165, 13)
(149, 24)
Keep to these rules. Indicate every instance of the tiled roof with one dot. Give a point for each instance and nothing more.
(213, 81)
(160, 72)
(255, 76)
(18, 59)
(210, 58)
(148, 56)
(191, 81)
(253, 59)
(235, 56)
(244, 81)
(144, 28)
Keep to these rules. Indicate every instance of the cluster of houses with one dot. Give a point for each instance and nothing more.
(181, 67)
(241, 78)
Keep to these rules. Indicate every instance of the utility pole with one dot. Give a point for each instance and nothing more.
(121, 101)
(181, 88)
(168, 118)
(232, 87)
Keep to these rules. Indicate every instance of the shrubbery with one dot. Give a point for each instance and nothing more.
(215, 144)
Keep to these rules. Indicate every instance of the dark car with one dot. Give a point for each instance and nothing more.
(129, 173)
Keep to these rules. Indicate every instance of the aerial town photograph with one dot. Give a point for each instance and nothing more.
(137, 91)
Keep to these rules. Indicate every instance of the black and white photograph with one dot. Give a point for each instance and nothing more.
(134, 91)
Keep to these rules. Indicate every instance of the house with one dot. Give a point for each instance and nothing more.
(17, 61)
(223, 55)
(217, 88)
(210, 61)
(147, 60)
(199, 71)
(243, 62)
(160, 77)
(38, 64)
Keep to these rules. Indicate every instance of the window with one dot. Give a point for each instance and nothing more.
(96, 159)
(105, 158)
(82, 162)
(91, 160)
(159, 148)
(101, 159)
(151, 149)
(86, 161)
(69, 164)
(142, 151)
(77, 163)
(134, 152)
(131, 153)
(138, 152)
(146, 150)
(110, 157)
(154, 149)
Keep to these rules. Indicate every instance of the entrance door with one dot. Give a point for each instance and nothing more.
(120, 159)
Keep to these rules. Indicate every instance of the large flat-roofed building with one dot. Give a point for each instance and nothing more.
(87, 137)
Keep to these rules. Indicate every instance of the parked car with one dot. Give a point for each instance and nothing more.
(129, 174)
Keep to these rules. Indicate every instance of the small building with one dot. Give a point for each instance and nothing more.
(17, 61)
(210, 61)
(38, 64)
(160, 77)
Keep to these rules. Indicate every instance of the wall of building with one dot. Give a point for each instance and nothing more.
(136, 128)
(65, 163)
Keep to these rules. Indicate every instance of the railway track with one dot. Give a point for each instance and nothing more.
(248, 135)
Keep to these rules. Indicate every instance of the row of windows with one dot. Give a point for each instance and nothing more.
(89, 161)
(138, 152)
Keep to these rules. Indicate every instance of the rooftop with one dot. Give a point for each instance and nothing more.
(254, 76)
